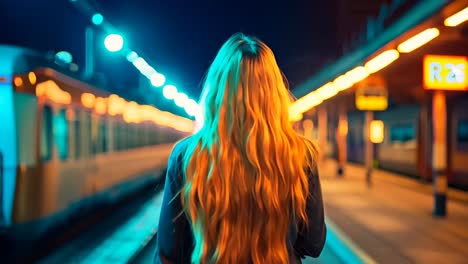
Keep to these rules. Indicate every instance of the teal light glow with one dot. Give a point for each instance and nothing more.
(170, 91)
(97, 19)
(64, 56)
(181, 99)
(157, 79)
(132, 56)
(113, 42)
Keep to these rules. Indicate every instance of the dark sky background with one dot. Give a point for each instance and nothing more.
(179, 37)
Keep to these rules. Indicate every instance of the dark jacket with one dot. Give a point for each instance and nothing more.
(175, 239)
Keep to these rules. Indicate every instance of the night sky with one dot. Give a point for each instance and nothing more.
(179, 37)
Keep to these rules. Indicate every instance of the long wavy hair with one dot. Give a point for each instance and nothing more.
(245, 169)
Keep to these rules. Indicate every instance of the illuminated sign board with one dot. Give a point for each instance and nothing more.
(372, 95)
(445, 72)
(376, 131)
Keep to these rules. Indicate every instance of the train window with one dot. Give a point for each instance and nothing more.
(117, 136)
(103, 134)
(120, 133)
(61, 133)
(136, 136)
(462, 131)
(155, 138)
(402, 133)
(87, 134)
(146, 132)
(78, 146)
(142, 136)
(123, 136)
(46, 134)
(95, 136)
(131, 136)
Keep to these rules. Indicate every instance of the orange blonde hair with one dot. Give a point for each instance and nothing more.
(245, 169)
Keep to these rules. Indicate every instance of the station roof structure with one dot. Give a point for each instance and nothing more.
(396, 55)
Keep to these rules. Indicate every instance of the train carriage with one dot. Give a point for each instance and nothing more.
(66, 146)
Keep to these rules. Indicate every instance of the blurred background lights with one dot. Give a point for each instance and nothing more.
(170, 91)
(113, 42)
(132, 56)
(191, 107)
(64, 56)
(97, 19)
(32, 78)
(181, 99)
(157, 79)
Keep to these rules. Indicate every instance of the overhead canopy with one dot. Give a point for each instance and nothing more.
(404, 75)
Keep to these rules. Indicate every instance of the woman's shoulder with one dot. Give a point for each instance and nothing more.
(175, 163)
(312, 153)
(178, 152)
(181, 146)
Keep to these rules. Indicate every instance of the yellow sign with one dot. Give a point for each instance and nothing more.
(376, 131)
(371, 95)
(371, 103)
(445, 72)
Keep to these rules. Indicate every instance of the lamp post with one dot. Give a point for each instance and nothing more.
(89, 52)
(112, 42)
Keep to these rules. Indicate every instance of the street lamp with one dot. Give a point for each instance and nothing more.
(97, 19)
(114, 42)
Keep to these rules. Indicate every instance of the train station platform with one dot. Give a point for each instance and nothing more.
(392, 221)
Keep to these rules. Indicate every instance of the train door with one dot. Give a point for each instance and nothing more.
(7, 150)
(458, 143)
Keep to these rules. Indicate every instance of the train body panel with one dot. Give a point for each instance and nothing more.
(398, 151)
(56, 186)
(59, 157)
(8, 150)
(459, 143)
(355, 139)
(407, 144)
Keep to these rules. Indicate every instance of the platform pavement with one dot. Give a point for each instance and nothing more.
(392, 221)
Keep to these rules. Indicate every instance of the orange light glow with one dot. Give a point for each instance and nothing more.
(100, 105)
(376, 131)
(342, 83)
(343, 127)
(305, 103)
(88, 100)
(116, 105)
(326, 91)
(357, 74)
(381, 61)
(295, 116)
(371, 103)
(418, 40)
(445, 72)
(131, 113)
(457, 18)
(32, 78)
(51, 90)
(18, 81)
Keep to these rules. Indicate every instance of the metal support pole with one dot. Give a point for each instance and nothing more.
(322, 135)
(342, 132)
(89, 52)
(439, 152)
(308, 128)
(369, 154)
